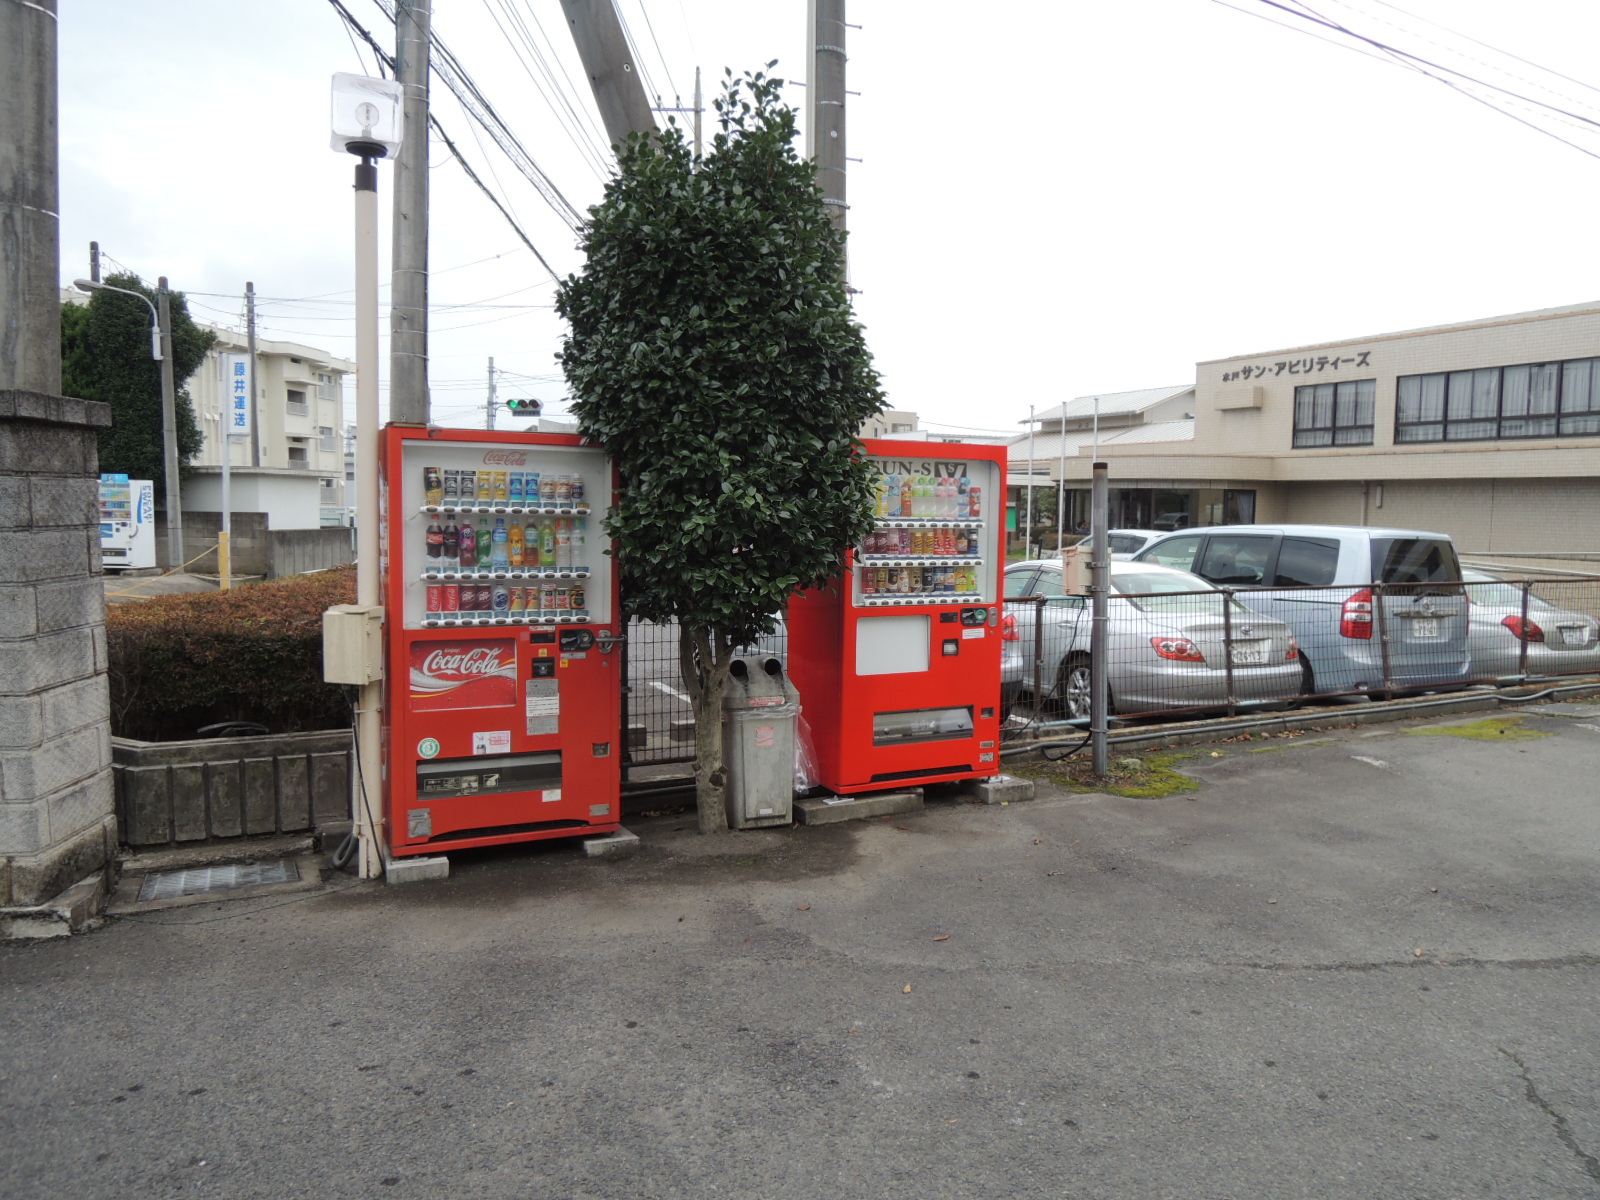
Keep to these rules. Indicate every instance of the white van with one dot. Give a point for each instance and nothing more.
(1322, 580)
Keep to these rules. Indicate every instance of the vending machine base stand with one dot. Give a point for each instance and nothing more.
(417, 870)
(828, 810)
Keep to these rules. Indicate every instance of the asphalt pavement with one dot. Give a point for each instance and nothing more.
(1354, 964)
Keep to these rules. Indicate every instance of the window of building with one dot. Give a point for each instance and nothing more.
(1335, 414)
(297, 402)
(327, 441)
(1560, 399)
(298, 456)
(324, 386)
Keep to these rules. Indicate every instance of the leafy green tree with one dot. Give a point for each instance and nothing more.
(105, 355)
(713, 352)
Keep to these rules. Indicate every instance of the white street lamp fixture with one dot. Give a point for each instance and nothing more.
(366, 115)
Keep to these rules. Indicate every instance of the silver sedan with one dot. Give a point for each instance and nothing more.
(1558, 640)
(1170, 645)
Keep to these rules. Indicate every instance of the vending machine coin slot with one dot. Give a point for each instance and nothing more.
(576, 641)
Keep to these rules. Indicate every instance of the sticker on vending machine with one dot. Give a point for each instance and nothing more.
(495, 741)
(543, 706)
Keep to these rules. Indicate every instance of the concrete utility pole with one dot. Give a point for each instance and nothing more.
(250, 348)
(408, 292)
(490, 409)
(825, 93)
(1100, 616)
(607, 61)
(169, 430)
(30, 302)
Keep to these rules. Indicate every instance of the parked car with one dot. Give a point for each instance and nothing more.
(1166, 643)
(1558, 641)
(1320, 580)
(1125, 543)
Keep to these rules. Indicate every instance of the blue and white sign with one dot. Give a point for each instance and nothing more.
(236, 382)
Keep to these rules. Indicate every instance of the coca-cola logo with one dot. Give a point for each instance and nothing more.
(463, 662)
(505, 458)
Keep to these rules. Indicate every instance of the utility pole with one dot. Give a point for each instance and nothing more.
(490, 407)
(1027, 521)
(825, 94)
(408, 292)
(250, 348)
(169, 430)
(1100, 616)
(30, 245)
(607, 61)
(699, 150)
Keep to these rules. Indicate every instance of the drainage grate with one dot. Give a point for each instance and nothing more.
(196, 881)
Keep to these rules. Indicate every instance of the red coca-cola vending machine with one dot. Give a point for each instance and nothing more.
(898, 660)
(503, 691)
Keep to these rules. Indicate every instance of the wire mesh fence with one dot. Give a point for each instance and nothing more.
(1230, 649)
(658, 716)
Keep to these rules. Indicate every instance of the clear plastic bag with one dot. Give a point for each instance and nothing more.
(805, 757)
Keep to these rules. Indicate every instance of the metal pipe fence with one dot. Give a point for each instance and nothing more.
(1228, 650)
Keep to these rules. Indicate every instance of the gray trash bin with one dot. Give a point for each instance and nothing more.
(759, 710)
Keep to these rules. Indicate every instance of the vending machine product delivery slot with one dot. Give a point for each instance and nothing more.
(504, 690)
(898, 660)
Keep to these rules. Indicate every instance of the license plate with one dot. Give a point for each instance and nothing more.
(1574, 635)
(1249, 654)
(1425, 627)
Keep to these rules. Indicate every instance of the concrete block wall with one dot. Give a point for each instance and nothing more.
(56, 819)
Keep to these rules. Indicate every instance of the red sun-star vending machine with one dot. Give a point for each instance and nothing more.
(898, 661)
(503, 690)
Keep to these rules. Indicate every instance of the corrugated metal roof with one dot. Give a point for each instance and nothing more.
(1115, 402)
(1157, 431)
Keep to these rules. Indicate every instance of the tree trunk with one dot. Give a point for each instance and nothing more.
(704, 657)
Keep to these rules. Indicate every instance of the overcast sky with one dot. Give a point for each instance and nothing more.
(1053, 198)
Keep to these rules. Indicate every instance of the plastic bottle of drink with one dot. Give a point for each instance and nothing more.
(963, 497)
(450, 559)
(907, 496)
(514, 544)
(469, 546)
(530, 545)
(547, 543)
(947, 502)
(883, 494)
(500, 558)
(580, 545)
(929, 504)
(563, 545)
(975, 502)
(434, 538)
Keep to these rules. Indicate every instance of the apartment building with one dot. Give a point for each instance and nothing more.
(289, 461)
(1488, 430)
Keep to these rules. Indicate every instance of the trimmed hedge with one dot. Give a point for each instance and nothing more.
(248, 654)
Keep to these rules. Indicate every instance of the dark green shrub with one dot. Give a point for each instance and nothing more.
(250, 654)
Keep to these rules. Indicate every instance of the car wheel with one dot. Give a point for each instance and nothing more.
(1075, 688)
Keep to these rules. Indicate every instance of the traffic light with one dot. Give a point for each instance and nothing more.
(526, 407)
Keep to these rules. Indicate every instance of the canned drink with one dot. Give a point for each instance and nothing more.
(485, 488)
(502, 486)
(577, 490)
(547, 490)
(518, 603)
(563, 491)
(450, 597)
(500, 598)
(869, 582)
(448, 491)
(514, 489)
(891, 579)
(563, 599)
(578, 598)
(435, 602)
(530, 489)
(547, 600)
(432, 486)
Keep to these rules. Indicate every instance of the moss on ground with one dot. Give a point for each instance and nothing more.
(1494, 729)
(1152, 779)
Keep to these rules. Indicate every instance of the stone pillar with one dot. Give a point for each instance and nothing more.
(57, 824)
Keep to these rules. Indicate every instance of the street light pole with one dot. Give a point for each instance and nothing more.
(161, 351)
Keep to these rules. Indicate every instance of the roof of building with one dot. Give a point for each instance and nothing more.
(1536, 314)
(1114, 403)
(1048, 447)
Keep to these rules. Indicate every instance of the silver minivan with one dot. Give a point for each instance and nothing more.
(1372, 609)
